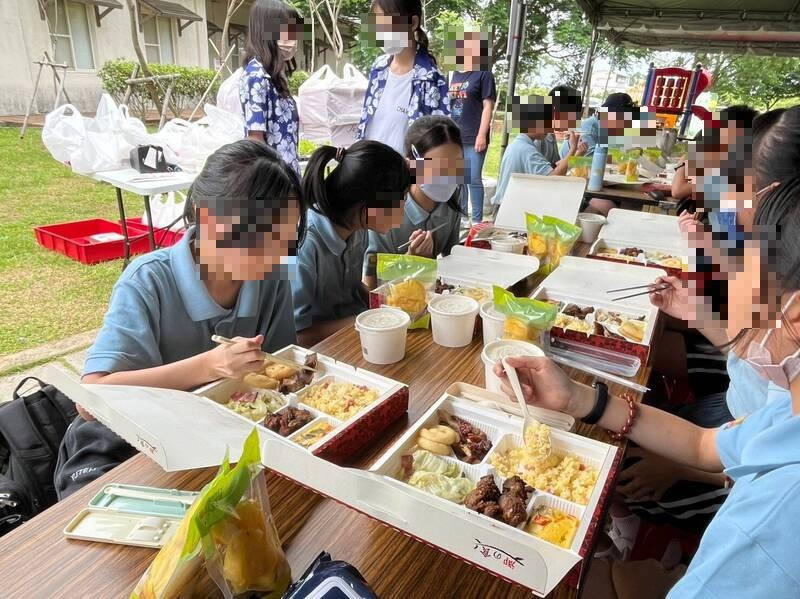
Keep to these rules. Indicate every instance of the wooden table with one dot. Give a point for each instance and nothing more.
(632, 197)
(37, 561)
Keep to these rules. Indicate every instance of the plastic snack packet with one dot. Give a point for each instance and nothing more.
(652, 154)
(563, 236)
(538, 234)
(405, 282)
(526, 318)
(579, 166)
(632, 165)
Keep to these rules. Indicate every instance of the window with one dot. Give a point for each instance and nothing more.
(158, 40)
(622, 79)
(69, 28)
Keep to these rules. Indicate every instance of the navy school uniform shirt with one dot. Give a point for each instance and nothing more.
(328, 281)
(415, 218)
(161, 312)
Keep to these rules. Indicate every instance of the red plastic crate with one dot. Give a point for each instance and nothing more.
(77, 240)
(164, 237)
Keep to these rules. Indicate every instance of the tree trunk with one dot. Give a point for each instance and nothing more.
(232, 7)
(133, 12)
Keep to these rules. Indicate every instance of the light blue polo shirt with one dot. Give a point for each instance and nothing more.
(521, 156)
(328, 283)
(416, 218)
(161, 312)
(751, 547)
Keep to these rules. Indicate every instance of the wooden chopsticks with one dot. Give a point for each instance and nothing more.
(408, 243)
(267, 356)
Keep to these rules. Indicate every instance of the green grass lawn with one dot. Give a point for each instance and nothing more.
(45, 296)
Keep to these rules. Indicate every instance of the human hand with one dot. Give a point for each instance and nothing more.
(545, 385)
(582, 148)
(574, 139)
(234, 361)
(421, 244)
(480, 143)
(83, 413)
(673, 299)
(650, 477)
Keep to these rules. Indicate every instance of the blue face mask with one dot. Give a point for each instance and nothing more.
(748, 391)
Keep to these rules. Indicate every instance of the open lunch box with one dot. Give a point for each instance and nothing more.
(642, 238)
(570, 487)
(374, 401)
(590, 323)
(556, 196)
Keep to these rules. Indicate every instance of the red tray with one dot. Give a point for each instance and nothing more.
(83, 241)
(164, 237)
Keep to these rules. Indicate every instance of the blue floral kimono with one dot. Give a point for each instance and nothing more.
(265, 110)
(429, 89)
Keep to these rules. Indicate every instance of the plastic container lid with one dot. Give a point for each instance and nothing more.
(505, 348)
(596, 357)
(382, 319)
(453, 305)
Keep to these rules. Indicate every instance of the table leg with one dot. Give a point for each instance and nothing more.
(126, 241)
(150, 232)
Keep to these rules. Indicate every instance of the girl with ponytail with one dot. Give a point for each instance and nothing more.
(405, 82)
(363, 190)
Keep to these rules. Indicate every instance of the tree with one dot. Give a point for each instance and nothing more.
(133, 12)
(232, 7)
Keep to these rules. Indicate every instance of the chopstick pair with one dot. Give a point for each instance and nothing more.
(649, 286)
(408, 243)
(267, 356)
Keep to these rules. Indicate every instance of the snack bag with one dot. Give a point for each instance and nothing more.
(406, 281)
(538, 234)
(526, 318)
(579, 166)
(563, 236)
(632, 166)
(652, 154)
(230, 528)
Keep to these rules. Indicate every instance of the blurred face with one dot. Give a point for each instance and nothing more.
(614, 122)
(565, 120)
(445, 161)
(384, 219)
(255, 256)
(470, 52)
(392, 30)
(752, 290)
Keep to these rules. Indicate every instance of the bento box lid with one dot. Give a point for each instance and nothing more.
(176, 429)
(485, 267)
(635, 227)
(556, 196)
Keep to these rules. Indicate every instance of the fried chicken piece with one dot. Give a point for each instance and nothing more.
(513, 509)
(485, 491)
(517, 487)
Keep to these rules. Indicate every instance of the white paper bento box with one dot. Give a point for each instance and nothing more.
(158, 421)
(585, 282)
(507, 552)
(482, 268)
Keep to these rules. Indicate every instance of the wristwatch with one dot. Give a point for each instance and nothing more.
(600, 403)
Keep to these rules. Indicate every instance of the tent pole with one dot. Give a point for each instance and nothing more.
(690, 98)
(586, 80)
(516, 28)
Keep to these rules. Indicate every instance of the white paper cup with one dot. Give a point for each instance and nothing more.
(383, 335)
(503, 348)
(453, 319)
(510, 245)
(492, 322)
(590, 225)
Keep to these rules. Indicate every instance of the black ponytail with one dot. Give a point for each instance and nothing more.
(409, 9)
(369, 174)
(429, 132)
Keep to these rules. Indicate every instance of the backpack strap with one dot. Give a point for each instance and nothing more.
(21, 384)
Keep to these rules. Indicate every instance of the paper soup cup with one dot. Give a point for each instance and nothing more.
(510, 245)
(383, 335)
(492, 322)
(590, 225)
(504, 348)
(453, 319)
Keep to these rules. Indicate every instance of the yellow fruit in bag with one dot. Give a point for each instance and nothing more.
(410, 296)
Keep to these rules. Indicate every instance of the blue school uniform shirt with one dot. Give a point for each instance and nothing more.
(161, 312)
(521, 156)
(751, 547)
(415, 217)
(590, 133)
(328, 279)
(429, 90)
(265, 110)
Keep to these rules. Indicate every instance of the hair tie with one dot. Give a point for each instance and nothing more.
(340, 152)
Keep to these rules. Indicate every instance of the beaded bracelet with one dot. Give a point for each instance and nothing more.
(633, 410)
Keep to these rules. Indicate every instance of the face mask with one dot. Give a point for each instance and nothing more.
(760, 359)
(440, 189)
(712, 187)
(747, 391)
(393, 42)
(287, 49)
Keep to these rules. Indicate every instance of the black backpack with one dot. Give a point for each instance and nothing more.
(31, 429)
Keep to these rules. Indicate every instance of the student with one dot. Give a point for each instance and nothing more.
(365, 190)
(534, 117)
(754, 530)
(434, 145)
(567, 109)
(270, 112)
(472, 98)
(404, 83)
(225, 277)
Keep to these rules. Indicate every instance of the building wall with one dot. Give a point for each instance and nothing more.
(25, 37)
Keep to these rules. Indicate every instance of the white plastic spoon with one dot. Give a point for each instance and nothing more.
(529, 422)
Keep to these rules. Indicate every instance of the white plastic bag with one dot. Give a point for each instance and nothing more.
(169, 138)
(228, 95)
(167, 210)
(346, 97)
(105, 147)
(312, 104)
(64, 132)
(206, 136)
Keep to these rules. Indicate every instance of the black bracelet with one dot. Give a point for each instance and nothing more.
(600, 403)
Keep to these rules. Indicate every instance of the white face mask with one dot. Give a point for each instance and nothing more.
(287, 49)
(783, 373)
(393, 42)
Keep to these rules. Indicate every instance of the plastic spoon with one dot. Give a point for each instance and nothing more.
(529, 422)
